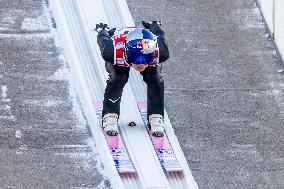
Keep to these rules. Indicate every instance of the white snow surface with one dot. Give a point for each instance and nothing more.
(273, 11)
(18, 134)
(28, 24)
(9, 18)
(34, 24)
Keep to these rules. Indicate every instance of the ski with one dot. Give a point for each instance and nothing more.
(116, 146)
(162, 145)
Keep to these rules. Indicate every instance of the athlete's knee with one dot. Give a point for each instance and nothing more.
(155, 79)
(119, 78)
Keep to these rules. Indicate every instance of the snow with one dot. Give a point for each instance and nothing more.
(276, 26)
(5, 106)
(28, 25)
(248, 20)
(281, 71)
(26, 36)
(18, 134)
(9, 18)
(277, 93)
(39, 23)
(45, 103)
(34, 24)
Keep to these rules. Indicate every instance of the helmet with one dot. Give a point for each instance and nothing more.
(140, 46)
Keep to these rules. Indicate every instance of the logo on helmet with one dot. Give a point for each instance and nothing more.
(140, 47)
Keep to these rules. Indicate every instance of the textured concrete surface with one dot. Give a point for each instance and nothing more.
(224, 90)
(44, 138)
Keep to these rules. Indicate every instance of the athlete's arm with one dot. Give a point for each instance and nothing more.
(155, 28)
(106, 46)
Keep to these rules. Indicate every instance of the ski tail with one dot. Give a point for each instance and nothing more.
(116, 146)
(162, 145)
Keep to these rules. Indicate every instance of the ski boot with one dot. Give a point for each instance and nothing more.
(157, 125)
(110, 125)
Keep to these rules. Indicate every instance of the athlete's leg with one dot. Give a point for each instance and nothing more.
(155, 89)
(118, 77)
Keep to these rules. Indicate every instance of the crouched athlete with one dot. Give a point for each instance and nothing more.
(140, 48)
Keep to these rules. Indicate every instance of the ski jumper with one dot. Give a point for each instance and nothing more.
(118, 69)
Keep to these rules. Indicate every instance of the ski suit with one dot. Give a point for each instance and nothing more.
(118, 75)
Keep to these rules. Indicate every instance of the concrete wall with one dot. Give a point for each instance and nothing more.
(273, 11)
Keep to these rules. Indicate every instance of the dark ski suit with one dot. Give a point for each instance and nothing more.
(118, 76)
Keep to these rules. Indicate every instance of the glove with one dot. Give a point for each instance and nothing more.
(146, 25)
(154, 27)
(102, 26)
(111, 32)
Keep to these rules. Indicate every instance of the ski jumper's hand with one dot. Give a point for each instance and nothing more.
(102, 26)
(154, 27)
